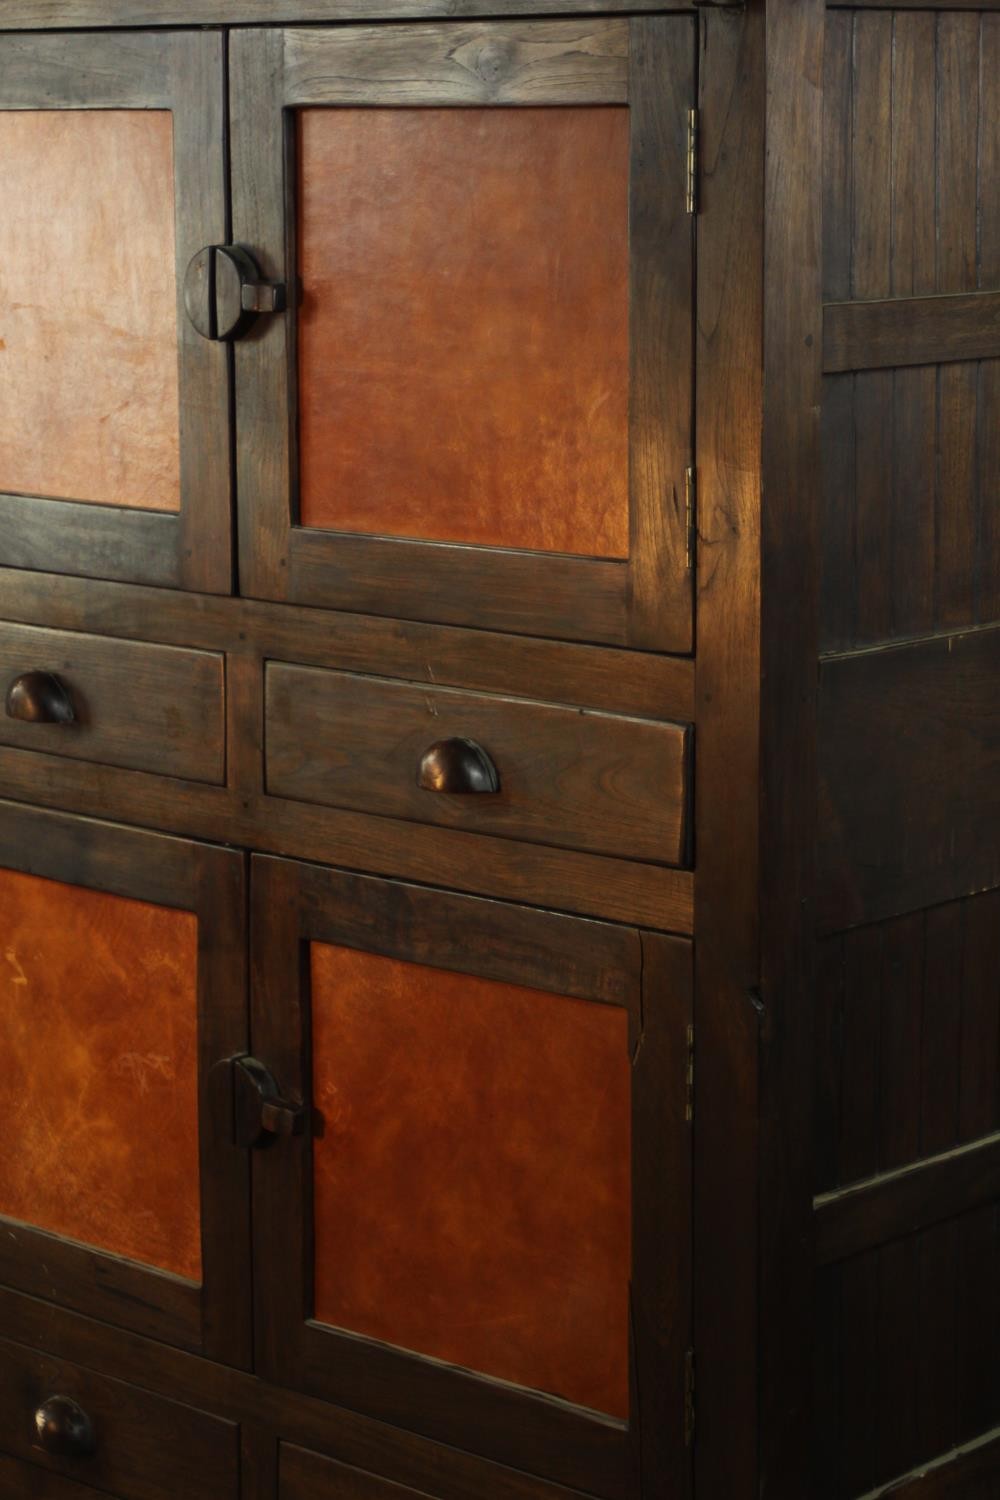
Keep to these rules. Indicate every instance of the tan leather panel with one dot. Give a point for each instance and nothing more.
(472, 1192)
(99, 1083)
(88, 321)
(463, 355)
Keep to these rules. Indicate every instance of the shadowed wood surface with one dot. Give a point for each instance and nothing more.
(588, 781)
(463, 340)
(472, 1176)
(910, 795)
(99, 1021)
(89, 405)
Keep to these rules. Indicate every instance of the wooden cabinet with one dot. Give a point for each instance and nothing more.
(499, 581)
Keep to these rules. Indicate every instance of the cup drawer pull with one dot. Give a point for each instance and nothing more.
(39, 698)
(457, 765)
(63, 1428)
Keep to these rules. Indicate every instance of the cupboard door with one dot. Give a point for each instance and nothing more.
(122, 981)
(482, 1232)
(114, 411)
(477, 408)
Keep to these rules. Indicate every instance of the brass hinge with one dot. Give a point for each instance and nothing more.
(690, 515)
(689, 1077)
(689, 1398)
(692, 162)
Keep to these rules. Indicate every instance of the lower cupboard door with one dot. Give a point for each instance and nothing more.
(122, 985)
(472, 1197)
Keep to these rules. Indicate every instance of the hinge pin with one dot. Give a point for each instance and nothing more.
(689, 1398)
(689, 1077)
(692, 162)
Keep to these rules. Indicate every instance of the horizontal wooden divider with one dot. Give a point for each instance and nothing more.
(910, 331)
(867, 1214)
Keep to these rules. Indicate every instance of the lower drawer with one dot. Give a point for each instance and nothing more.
(141, 1447)
(308, 1476)
(22, 1482)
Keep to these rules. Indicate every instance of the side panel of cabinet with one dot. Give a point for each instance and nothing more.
(122, 983)
(483, 1232)
(477, 409)
(114, 412)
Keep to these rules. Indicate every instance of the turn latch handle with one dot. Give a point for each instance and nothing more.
(247, 1097)
(224, 292)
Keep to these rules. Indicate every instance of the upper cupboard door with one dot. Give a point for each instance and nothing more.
(477, 408)
(114, 412)
(477, 1223)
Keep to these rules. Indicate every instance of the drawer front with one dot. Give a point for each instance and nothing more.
(139, 706)
(142, 1447)
(308, 1476)
(592, 781)
(22, 1482)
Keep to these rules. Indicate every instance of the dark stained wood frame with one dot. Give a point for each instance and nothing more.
(33, 15)
(214, 1318)
(184, 73)
(293, 904)
(648, 63)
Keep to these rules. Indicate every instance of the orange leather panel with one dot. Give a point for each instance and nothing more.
(472, 1191)
(99, 1081)
(463, 355)
(88, 321)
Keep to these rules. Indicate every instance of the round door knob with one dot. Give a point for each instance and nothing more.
(63, 1428)
(39, 698)
(457, 765)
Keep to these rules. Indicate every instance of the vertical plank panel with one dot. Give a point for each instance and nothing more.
(958, 118)
(989, 153)
(727, 959)
(935, 1353)
(828, 1417)
(988, 434)
(976, 1323)
(840, 506)
(980, 1043)
(913, 205)
(859, 1097)
(871, 230)
(838, 106)
(941, 1029)
(829, 1058)
(661, 91)
(899, 1051)
(861, 1396)
(898, 1342)
(912, 501)
(873, 411)
(957, 495)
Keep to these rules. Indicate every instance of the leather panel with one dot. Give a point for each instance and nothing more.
(464, 360)
(471, 1192)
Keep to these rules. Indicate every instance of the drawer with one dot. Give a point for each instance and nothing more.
(22, 1482)
(307, 1476)
(568, 777)
(143, 1447)
(140, 706)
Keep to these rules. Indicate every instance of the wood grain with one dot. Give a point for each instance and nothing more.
(540, 62)
(910, 331)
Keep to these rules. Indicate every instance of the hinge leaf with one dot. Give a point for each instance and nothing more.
(692, 161)
(689, 1398)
